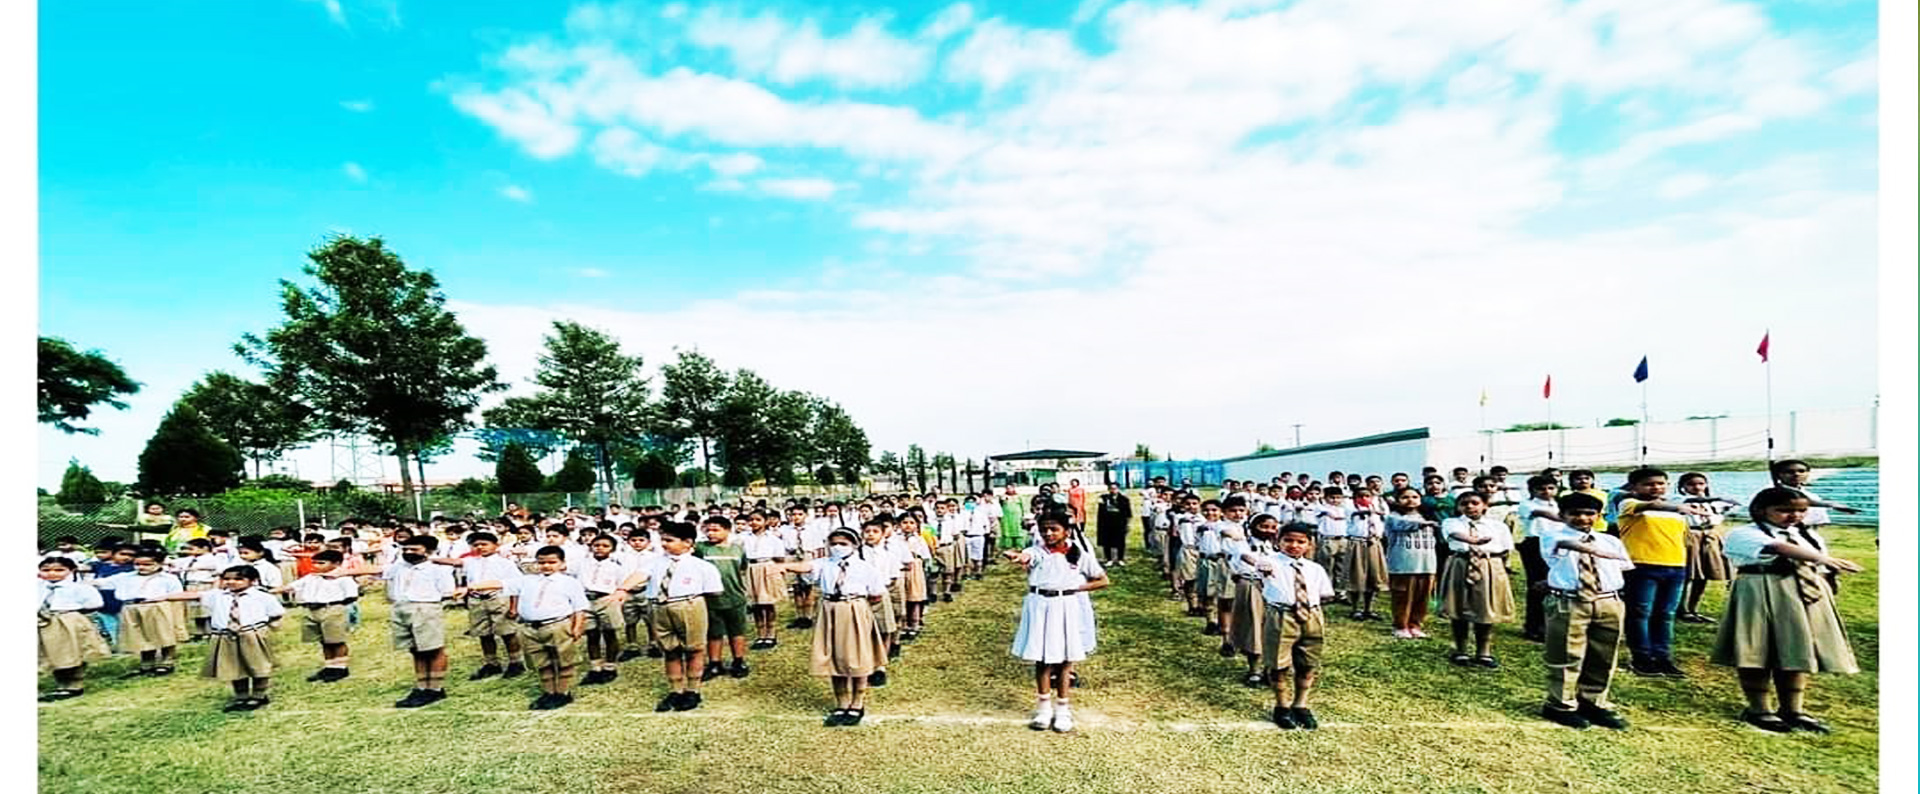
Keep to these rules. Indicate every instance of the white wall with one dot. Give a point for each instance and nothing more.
(1382, 459)
(1795, 433)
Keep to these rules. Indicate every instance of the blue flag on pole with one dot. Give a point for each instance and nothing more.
(1640, 372)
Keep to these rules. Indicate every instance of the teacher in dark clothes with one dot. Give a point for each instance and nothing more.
(1115, 513)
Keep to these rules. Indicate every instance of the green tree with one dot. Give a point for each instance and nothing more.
(692, 390)
(890, 464)
(72, 382)
(1142, 452)
(373, 350)
(79, 487)
(1621, 422)
(589, 392)
(184, 458)
(942, 464)
(1526, 427)
(1261, 447)
(824, 476)
(742, 438)
(576, 475)
(917, 461)
(259, 420)
(837, 440)
(516, 472)
(652, 471)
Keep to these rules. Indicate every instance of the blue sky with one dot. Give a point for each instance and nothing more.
(1339, 196)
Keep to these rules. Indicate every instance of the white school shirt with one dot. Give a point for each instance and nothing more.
(1486, 527)
(270, 577)
(68, 595)
(602, 576)
(813, 539)
(454, 548)
(316, 589)
(789, 537)
(1365, 523)
(1049, 571)
(1185, 526)
(1563, 565)
(1331, 518)
(691, 576)
(1716, 514)
(1236, 561)
(547, 596)
(1533, 527)
(951, 528)
(256, 606)
(204, 568)
(884, 560)
(131, 586)
(860, 579)
(1277, 575)
(426, 583)
(1746, 544)
(917, 546)
(764, 547)
(493, 567)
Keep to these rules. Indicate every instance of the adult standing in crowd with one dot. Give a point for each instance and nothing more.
(1116, 511)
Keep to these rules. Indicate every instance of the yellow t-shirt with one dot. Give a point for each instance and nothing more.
(1652, 537)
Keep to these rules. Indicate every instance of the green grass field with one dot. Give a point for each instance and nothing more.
(1160, 712)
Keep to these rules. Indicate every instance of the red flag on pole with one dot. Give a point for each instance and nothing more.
(1764, 340)
(1546, 392)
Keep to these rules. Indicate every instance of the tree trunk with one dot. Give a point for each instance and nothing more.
(706, 457)
(606, 474)
(420, 461)
(401, 451)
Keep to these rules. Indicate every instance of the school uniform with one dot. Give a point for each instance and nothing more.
(1706, 551)
(677, 586)
(886, 565)
(600, 579)
(1584, 616)
(487, 609)
(1249, 612)
(284, 566)
(847, 640)
(765, 578)
(1366, 552)
(1474, 586)
(914, 578)
(951, 552)
(1780, 613)
(67, 636)
(146, 622)
(326, 600)
(1411, 563)
(1215, 581)
(418, 623)
(269, 573)
(1185, 547)
(1294, 628)
(241, 633)
(1331, 549)
(637, 610)
(1531, 545)
(1055, 625)
(544, 606)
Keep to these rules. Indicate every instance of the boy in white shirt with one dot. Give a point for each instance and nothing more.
(325, 599)
(489, 574)
(606, 580)
(551, 609)
(1535, 523)
(1294, 626)
(640, 553)
(677, 585)
(1585, 614)
(416, 586)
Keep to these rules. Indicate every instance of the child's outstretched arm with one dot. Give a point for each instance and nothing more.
(1095, 584)
(1795, 551)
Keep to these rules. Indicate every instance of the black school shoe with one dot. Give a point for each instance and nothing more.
(320, 674)
(414, 699)
(1212, 630)
(740, 669)
(237, 704)
(667, 703)
(1564, 716)
(514, 670)
(56, 695)
(1305, 719)
(1802, 722)
(1605, 718)
(877, 678)
(853, 717)
(836, 718)
(1645, 668)
(1283, 718)
(1665, 668)
(485, 672)
(1486, 661)
(712, 671)
(1226, 650)
(631, 654)
(688, 701)
(1765, 721)
(655, 653)
(957, 586)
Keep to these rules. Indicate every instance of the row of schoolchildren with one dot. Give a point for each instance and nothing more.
(693, 599)
(1588, 583)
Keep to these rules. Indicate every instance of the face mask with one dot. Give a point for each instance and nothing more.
(414, 559)
(839, 552)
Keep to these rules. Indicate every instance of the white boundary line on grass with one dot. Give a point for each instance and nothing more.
(1087, 720)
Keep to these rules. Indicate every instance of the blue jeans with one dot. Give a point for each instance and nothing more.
(1652, 594)
(109, 626)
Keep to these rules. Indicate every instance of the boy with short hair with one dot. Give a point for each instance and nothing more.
(1584, 614)
(551, 610)
(727, 609)
(1654, 531)
(146, 618)
(605, 578)
(416, 586)
(636, 610)
(677, 585)
(1534, 523)
(1294, 628)
(490, 575)
(325, 599)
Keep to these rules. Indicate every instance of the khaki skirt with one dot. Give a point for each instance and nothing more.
(897, 595)
(69, 639)
(916, 582)
(1706, 557)
(846, 639)
(766, 583)
(1249, 614)
(1366, 565)
(883, 616)
(148, 627)
(1216, 582)
(1766, 626)
(239, 655)
(1488, 601)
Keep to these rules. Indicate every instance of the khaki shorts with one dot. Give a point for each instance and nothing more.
(326, 625)
(487, 617)
(550, 647)
(681, 625)
(418, 627)
(604, 615)
(1292, 641)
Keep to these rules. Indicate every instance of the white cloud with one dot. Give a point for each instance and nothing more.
(865, 56)
(734, 165)
(1681, 186)
(334, 11)
(1861, 76)
(522, 119)
(517, 193)
(804, 188)
(354, 172)
(357, 105)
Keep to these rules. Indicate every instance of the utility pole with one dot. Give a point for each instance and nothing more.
(1296, 434)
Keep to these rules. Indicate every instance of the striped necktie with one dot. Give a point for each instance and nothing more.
(1589, 572)
(1474, 574)
(1300, 595)
(1806, 577)
(233, 613)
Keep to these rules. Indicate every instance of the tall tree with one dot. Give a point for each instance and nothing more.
(1143, 452)
(79, 488)
(740, 427)
(516, 472)
(837, 440)
(589, 392)
(917, 460)
(692, 389)
(576, 475)
(891, 464)
(184, 458)
(259, 420)
(72, 382)
(943, 463)
(374, 350)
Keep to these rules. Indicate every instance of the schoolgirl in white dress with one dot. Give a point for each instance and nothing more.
(1056, 619)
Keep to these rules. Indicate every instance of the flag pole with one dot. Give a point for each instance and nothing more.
(1486, 440)
(1766, 358)
(1549, 428)
(1643, 423)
